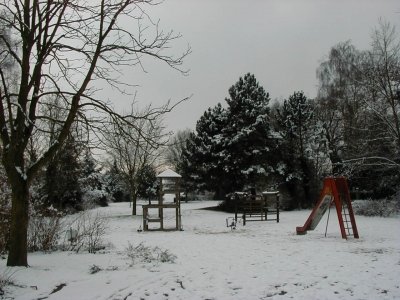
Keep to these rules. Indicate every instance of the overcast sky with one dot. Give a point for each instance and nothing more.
(282, 42)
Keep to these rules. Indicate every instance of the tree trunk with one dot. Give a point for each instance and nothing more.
(306, 183)
(134, 199)
(18, 245)
(220, 193)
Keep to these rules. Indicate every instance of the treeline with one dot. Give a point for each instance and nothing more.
(350, 129)
(74, 181)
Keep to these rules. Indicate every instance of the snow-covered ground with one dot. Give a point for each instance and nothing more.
(262, 260)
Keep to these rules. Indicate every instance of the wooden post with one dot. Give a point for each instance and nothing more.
(160, 195)
(236, 199)
(145, 224)
(277, 208)
(178, 208)
(265, 207)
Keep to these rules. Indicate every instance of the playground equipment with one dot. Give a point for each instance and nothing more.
(335, 191)
(169, 184)
(231, 222)
(254, 207)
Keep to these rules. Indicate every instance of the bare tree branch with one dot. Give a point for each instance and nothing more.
(59, 49)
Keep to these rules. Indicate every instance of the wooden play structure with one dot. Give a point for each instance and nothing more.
(252, 207)
(169, 183)
(334, 192)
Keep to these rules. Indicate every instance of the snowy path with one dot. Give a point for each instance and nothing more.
(263, 260)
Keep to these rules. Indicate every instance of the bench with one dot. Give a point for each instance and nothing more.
(256, 207)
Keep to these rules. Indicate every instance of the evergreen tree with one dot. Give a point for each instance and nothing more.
(116, 185)
(92, 182)
(233, 147)
(147, 184)
(209, 150)
(295, 121)
(187, 168)
(88, 164)
(248, 140)
(62, 189)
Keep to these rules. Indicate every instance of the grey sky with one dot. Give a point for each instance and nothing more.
(280, 41)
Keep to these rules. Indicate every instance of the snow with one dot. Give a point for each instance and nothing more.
(21, 173)
(168, 174)
(262, 260)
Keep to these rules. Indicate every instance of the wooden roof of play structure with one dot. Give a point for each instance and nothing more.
(168, 173)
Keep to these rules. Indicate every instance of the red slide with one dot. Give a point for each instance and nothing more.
(335, 191)
(319, 210)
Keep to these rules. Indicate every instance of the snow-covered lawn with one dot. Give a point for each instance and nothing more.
(262, 260)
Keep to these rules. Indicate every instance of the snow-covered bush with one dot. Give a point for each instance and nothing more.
(94, 190)
(44, 229)
(381, 208)
(146, 254)
(44, 222)
(94, 269)
(5, 280)
(396, 200)
(165, 256)
(89, 229)
(95, 197)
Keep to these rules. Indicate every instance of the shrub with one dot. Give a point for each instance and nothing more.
(44, 229)
(379, 208)
(147, 254)
(94, 269)
(165, 256)
(89, 229)
(5, 280)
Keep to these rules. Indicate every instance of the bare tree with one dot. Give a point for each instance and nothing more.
(340, 102)
(382, 80)
(173, 153)
(62, 48)
(359, 107)
(134, 146)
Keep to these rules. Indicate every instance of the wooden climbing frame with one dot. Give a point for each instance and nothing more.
(169, 184)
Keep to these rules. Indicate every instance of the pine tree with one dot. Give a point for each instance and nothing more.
(210, 141)
(116, 185)
(92, 182)
(295, 120)
(233, 147)
(187, 168)
(147, 184)
(247, 137)
(61, 187)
